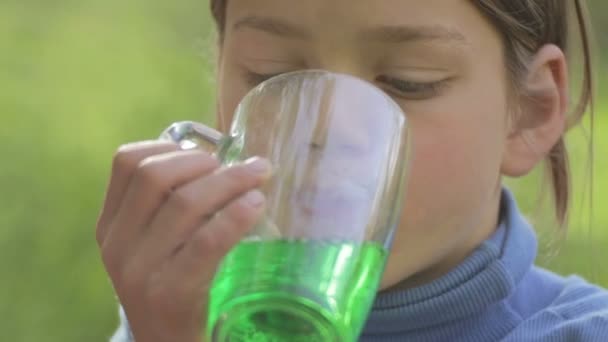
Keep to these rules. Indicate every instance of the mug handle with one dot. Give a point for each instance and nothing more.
(191, 134)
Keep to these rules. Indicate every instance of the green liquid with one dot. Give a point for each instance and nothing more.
(294, 290)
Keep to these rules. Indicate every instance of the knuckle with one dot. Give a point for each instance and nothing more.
(108, 257)
(125, 158)
(239, 213)
(183, 202)
(230, 226)
(102, 230)
(125, 148)
(150, 174)
(128, 156)
(208, 160)
(236, 179)
(241, 176)
(207, 244)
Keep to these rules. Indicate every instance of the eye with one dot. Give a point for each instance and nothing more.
(255, 78)
(411, 89)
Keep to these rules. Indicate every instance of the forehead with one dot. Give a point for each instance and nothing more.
(342, 17)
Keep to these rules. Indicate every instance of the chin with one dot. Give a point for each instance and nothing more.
(390, 281)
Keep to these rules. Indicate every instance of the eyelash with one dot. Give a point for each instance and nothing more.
(410, 89)
(398, 87)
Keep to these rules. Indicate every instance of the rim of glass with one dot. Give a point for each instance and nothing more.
(370, 85)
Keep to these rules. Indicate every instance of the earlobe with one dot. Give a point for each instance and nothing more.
(541, 120)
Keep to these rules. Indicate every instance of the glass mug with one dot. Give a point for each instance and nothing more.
(310, 269)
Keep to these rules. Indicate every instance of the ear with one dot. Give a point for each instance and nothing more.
(541, 120)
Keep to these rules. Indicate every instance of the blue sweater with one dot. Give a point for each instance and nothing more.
(496, 294)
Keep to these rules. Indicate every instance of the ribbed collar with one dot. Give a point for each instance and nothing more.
(487, 276)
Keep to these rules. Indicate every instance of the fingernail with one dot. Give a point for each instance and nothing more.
(258, 165)
(254, 198)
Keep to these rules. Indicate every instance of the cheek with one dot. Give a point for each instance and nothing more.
(231, 90)
(455, 167)
(442, 157)
(458, 145)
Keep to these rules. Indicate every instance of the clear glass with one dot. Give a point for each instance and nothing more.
(311, 268)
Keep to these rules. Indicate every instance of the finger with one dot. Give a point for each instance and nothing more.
(126, 160)
(195, 264)
(188, 207)
(152, 182)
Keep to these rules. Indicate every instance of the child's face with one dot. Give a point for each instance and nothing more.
(440, 60)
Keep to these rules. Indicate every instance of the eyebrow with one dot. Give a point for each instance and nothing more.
(273, 26)
(407, 34)
(386, 34)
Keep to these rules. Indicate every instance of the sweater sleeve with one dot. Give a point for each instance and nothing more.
(123, 333)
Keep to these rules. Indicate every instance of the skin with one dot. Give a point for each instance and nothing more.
(443, 64)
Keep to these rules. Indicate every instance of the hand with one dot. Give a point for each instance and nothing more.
(168, 219)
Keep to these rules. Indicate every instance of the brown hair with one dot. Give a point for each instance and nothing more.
(527, 25)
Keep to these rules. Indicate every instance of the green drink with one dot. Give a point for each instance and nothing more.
(295, 290)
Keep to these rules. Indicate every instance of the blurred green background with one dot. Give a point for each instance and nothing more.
(79, 78)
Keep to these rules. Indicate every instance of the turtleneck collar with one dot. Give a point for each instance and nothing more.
(489, 275)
